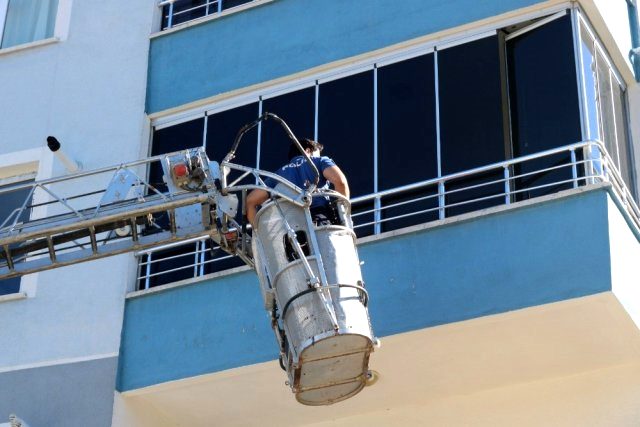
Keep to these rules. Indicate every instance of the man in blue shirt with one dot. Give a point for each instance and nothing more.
(301, 174)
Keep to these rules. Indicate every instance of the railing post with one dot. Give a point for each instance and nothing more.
(170, 17)
(147, 272)
(219, 6)
(377, 204)
(203, 247)
(507, 186)
(574, 168)
(195, 262)
(441, 201)
(605, 169)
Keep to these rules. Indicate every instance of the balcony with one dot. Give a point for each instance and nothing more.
(509, 299)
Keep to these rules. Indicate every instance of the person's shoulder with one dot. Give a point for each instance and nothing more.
(325, 161)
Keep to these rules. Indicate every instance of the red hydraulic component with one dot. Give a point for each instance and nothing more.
(180, 170)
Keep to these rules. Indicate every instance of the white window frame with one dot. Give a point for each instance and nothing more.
(60, 32)
(19, 166)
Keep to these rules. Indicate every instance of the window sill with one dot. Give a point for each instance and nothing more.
(13, 297)
(212, 17)
(30, 45)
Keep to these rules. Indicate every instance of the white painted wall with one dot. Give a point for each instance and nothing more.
(87, 89)
(625, 253)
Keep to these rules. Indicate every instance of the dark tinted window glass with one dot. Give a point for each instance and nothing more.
(590, 84)
(227, 4)
(9, 202)
(174, 138)
(186, 10)
(471, 131)
(544, 102)
(218, 260)
(407, 145)
(222, 129)
(170, 265)
(605, 102)
(621, 131)
(345, 127)
(297, 109)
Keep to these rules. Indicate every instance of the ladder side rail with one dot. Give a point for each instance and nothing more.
(73, 225)
(64, 201)
(43, 262)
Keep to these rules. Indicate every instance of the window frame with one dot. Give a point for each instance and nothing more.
(60, 30)
(582, 22)
(21, 166)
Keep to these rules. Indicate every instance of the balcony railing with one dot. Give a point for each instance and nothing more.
(176, 12)
(572, 166)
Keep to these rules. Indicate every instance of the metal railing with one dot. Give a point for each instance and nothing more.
(175, 12)
(90, 215)
(503, 183)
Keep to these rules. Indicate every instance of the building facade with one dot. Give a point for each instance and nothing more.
(493, 153)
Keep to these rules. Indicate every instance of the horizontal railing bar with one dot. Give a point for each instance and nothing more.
(197, 264)
(479, 170)
(466, 202)
(193, 8)
(171, 245)
(458, 190)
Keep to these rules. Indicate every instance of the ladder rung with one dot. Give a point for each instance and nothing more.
(92, 237)
(134, 229)
(52, 251)
(7, 253)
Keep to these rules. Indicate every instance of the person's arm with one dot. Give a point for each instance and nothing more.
(254, 199)
(334, 175)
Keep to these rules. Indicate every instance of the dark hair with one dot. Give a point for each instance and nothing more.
(306, 143)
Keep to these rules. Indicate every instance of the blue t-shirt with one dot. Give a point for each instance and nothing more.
(298, 172)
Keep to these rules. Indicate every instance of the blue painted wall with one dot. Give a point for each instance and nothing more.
(288, 36)
(492, 264)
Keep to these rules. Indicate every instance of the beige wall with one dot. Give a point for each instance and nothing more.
(607, 397)
(573, 363)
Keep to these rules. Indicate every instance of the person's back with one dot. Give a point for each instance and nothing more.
(301, 174)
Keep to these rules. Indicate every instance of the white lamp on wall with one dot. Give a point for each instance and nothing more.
(70, 165)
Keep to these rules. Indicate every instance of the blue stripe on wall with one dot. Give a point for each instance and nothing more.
(288, 36)
(491, 264)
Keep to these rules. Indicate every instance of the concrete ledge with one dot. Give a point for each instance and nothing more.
(13, 297)
(31, 45)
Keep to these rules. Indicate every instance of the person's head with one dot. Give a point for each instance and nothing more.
(312, 148)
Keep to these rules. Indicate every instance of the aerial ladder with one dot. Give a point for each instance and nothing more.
(310, 277)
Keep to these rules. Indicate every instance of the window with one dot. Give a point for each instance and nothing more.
(345, 127)
(604, 97)
(175, 12)
(544, 103)
(407, 138)
(25, 21)
(11, 203)
(435, 112)
(471, 121)
(297, 109)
